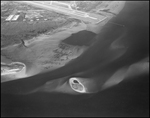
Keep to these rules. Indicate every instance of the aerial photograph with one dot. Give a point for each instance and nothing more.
(74, 58)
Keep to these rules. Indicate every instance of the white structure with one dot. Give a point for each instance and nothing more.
(9, 17)
(15, 17)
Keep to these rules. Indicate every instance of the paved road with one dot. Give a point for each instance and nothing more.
(75, 13)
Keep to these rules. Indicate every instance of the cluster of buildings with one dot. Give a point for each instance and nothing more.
(12, 17)
(33, 14)
(26, 15)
